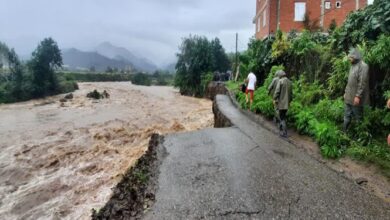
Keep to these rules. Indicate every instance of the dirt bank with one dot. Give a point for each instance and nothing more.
(60, 160)
(135, 193)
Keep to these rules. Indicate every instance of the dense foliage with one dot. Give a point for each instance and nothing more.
(258, 59)
(197, 58)
(141, 79)
(45, 60)
(37, 78)
(318, 67)
(159, 78)
(94, 77)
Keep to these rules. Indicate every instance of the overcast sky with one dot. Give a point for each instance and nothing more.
(149, 28)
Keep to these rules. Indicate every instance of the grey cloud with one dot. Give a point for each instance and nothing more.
(150, 28)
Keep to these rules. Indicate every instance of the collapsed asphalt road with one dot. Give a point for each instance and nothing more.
(246, 172)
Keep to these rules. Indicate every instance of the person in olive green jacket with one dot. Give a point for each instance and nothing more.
(282, 99)
(357, 89)
(271, 92)
(274, 83)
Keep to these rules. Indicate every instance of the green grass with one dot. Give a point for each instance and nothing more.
(232, 85)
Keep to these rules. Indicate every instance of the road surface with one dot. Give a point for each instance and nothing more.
(247, 172)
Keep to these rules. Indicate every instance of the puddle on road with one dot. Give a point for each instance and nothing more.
(60, 162)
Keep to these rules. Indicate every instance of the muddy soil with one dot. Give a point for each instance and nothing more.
(135, 193)
(59, 160)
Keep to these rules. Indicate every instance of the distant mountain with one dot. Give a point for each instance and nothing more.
(76, 59)
(120, 53)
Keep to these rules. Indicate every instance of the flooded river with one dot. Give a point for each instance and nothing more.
(60, 160)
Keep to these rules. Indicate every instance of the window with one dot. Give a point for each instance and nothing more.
(264, 18)
(258, 24)
(300, 10)
(338, 4)
(327, 5)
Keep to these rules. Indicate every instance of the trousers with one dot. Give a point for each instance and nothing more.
(350, 112)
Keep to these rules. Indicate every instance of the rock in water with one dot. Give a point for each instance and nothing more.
(69, 96)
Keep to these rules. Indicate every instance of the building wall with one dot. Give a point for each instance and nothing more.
(273, 17)
(261, 8)
(340, 14)
(287, 14)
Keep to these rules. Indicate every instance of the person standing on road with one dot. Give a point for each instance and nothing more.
(282, 99)
(357, 90)
(271, 92)
(250, 89)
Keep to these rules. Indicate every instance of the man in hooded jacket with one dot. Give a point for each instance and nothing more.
(282, 99)
(357, 89)
(271, 92)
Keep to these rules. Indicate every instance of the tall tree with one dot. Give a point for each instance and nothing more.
(14, 70)
(45, 59)
(221, 61)
(194, 60)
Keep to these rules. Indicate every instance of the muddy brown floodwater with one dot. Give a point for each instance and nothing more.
(58, 161)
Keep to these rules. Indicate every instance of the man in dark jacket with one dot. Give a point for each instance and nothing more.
(357, 89)
(282, 99)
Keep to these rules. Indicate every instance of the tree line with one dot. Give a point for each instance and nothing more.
(20, 81)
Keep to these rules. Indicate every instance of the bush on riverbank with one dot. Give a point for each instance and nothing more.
(95, 77)
(197, 60)
(158, 78)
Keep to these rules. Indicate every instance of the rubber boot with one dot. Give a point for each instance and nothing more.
(346, 124)
(283, 126)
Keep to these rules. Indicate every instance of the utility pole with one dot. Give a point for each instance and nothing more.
(237, 66)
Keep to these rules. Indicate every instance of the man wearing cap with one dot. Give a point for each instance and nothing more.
(282, 99)
(357, 90)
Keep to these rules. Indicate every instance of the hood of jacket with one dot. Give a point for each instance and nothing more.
(355, 54)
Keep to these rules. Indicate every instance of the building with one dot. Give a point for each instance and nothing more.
(287, 15)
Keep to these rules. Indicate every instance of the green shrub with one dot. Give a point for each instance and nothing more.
(302, 121)
(331, 152)
(233, 86)
(205, 79)
(307, 93)
(281, 45)
(141, 79)
(262, 102)
(67, 86)
(339, 76)
(332, 110)
(303, 45)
